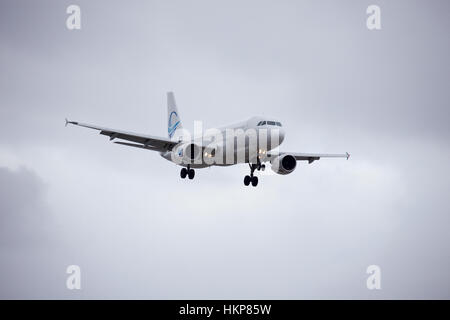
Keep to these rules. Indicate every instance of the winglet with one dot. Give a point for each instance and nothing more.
(70, 122)
(348, 155)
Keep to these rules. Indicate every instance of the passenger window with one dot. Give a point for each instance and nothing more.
(271, 123)
(279, 124)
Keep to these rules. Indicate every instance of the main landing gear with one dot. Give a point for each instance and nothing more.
(251, 178)
(187, 172)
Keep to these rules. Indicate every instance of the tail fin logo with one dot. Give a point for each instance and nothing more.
(172, 127)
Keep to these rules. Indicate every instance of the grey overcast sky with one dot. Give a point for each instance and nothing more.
(68, 196)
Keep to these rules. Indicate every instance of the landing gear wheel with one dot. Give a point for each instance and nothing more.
(191, 174)
(183, 173)
(251, 178)
(254, 181)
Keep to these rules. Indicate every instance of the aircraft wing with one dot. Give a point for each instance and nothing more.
(142, 141)
(310, 157)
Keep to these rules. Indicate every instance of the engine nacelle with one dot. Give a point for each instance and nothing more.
(187, 153)
(284, 164)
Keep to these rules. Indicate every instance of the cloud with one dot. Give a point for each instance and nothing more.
(28, 239)
(24, 213)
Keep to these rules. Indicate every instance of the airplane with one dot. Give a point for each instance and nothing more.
(217, 148)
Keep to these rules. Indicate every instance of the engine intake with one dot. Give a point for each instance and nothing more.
(284, 164)
(189, 152)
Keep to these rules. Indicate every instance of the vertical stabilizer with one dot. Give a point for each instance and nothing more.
(173, 117)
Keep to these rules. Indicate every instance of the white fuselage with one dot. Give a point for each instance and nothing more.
(243, 142)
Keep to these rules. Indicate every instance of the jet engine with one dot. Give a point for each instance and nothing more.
(284, 164)
(188, 152)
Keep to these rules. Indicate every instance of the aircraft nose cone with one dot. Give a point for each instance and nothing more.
(276, 135)
(281, 135)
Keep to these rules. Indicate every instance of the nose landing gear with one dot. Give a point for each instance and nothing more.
(251, 178)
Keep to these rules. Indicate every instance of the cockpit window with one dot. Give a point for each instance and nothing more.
(270, 123)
